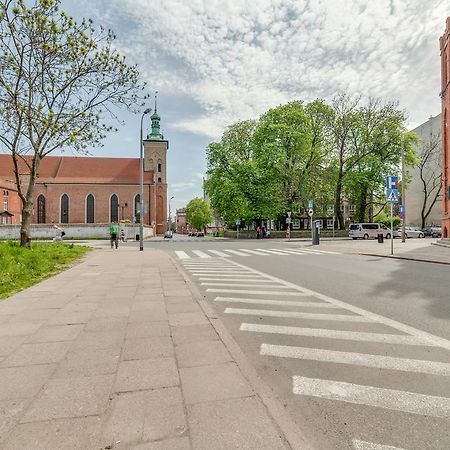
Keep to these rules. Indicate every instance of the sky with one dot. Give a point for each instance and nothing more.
(215, 62)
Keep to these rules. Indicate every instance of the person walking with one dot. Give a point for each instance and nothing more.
(114, 233)
(59, 233)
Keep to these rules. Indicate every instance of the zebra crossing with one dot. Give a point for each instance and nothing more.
(229, 253)
(320, 330)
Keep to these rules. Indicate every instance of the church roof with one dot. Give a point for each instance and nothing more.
(81, 169)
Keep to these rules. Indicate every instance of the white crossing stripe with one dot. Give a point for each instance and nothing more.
(273, 252)
(409, 402)
(305, 251)
(219, 253)
(182, 255)
(259, 301)
(357, 359)
(243, 283)
(335, 334)
(225, 276)
(201, 254)
(296, 315)
(253, 252)
(233, 278)
(365, 445)
(293, 252)
(235, 252)
(246, 291)
(200, 273)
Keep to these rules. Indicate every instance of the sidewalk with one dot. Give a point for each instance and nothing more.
(119, 352)
(412, 249)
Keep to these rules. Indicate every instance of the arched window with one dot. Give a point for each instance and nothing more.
(41, 209)
(65, 208)
(137, 208)
(90, 209)
(114, 208)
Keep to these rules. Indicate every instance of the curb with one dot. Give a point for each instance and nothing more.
(283, 421)
(406, 258)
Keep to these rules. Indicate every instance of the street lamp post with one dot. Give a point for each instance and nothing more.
(141, 183)
(402, 149)
(170, 215)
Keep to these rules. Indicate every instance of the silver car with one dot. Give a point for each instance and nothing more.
(413, 232)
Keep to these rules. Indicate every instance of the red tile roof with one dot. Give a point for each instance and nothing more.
(78, 169)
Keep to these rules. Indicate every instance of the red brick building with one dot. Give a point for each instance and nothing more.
(445, 117)
(99, 190)
(10, 204)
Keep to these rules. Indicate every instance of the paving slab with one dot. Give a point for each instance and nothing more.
(193, 333)
(147, 329)
(96, 340)
(147, 348)
(55, 333)
(71, 397)
(41, 353)
(166, 444)
(146, 374)
(10, 411)
(187, 318)
(238, 423)
(9, 343)
(216, 382)
(146, 416)
(204, 353)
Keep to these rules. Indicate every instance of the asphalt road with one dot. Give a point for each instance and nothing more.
(356, 347)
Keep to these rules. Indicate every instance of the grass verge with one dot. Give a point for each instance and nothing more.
(21, 267)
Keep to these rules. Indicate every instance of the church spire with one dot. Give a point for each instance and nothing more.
(155, 134)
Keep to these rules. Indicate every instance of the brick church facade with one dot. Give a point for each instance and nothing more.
(88, 190)
(445, 117)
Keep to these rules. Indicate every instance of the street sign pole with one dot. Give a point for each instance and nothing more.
(392, 229)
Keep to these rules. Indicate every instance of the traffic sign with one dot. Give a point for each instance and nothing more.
(391, 183)
(392, 195)
(238, 222)
(310, 212)
(288, 220)
(401, 211)
(310, 204)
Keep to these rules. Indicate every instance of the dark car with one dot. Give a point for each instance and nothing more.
(436, 232)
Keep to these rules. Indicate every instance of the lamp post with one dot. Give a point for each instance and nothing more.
(170, 213)
(402, 149)
(141, 183)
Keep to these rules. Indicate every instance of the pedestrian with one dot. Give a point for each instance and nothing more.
(258, 232)
(114, 234)
(59, 233)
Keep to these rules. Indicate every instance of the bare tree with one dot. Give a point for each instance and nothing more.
(60, 83)
(430, 174)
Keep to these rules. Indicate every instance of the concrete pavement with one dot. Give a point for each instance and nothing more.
(118, 352)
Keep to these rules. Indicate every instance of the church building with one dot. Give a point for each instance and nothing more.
(94, 190)
(445, 118)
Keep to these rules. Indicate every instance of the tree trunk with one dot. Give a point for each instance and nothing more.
(337, 198)
(25, 234)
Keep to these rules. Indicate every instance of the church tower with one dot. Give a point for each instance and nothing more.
(155, 160)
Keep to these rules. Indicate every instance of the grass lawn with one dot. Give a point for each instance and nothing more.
(21, 267)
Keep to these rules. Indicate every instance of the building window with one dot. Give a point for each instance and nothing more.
(41, 209)
(114, 208)
(352, 209)
(296, 224)
(90, 209)
(137, 208)
(159, 180)
(330, 224)
(65, 208)
(5, 203)
(159, 167)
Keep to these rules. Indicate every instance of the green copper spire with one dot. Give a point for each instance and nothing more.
(155, 134)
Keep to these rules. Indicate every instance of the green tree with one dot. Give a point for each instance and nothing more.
(198, 213)
(59, 84)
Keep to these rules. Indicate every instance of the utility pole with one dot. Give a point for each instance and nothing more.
(402, 149)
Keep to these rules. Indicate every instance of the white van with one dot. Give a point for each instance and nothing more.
(365, 230)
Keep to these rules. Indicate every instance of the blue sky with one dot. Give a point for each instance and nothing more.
(215, 62)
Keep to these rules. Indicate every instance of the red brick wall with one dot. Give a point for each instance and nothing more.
(445, 93)
(14, 203)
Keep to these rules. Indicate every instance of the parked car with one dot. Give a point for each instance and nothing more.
(387, 232)
(436, 232)
(200, 234)
(364, 230)
(192, 233)
(413, 232)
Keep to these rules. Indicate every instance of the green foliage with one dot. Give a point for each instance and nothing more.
(60, 83)
(21, 268)
(385, 219)
(198, 213)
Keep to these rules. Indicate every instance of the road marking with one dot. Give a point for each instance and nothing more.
(243, 276)
(296, 315)
(335, 334)
(253, 252)
(246, 291)
(315, 250)
(182, 255)
(201, 254)
(293, 252)
(235, 278)
(305, 251)
(219, 253)
(357, 359)
(410, 402)
(243, 283)
(365, 445)
(273, 252)
(235, 252)
(199, 273)
(429, 339)
(259, 301)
